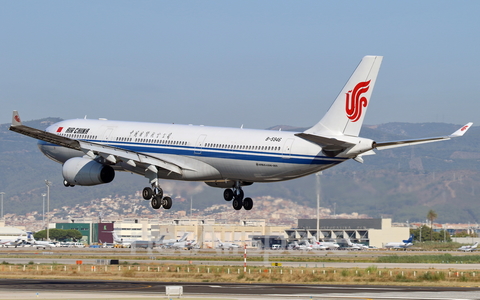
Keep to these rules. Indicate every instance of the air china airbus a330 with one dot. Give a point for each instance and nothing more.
(229, 158)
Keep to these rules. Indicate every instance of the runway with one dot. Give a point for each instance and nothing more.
(85, 289)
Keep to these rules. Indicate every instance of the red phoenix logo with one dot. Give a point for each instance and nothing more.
(17, 118)
(354, 104)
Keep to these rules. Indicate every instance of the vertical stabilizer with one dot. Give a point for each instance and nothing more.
(345, 116)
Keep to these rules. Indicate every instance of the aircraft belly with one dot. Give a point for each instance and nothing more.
(263, 171)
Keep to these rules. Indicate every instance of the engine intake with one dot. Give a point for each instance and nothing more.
(84, 171)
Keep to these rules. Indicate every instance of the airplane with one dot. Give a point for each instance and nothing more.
(91, 151)
(170, 242)
(355, 246)
(297, 246)
(184, 244)
(469, 248)
(226, 245)
(30, 241)
(120, 241)
(13, 242)
(315, 246)
(400, 245)
(327, 245)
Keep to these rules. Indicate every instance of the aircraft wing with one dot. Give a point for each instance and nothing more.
(92, 149)
(396, 144)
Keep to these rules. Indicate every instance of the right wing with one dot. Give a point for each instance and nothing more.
(92, 149)
(396, 144)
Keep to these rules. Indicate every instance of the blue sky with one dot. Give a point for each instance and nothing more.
(228, 63)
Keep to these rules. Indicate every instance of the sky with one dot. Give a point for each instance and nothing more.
(233, 63)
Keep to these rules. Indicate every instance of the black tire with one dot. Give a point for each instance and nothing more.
(247, 203)
(147, 193)
(228, 195)
(167, 203)
(156, 202)
(237, 204)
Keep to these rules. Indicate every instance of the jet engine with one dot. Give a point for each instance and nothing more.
(84, 171)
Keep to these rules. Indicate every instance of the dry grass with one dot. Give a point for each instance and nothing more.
(193, 273)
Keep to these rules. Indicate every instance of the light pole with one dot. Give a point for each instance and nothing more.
(48, 184)
(317, 175)
(2, 193)
(43, 211)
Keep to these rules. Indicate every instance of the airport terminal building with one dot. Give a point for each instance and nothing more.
(370, 232)
(253, 233)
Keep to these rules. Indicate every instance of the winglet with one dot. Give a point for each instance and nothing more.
(461, 131)
(16, 119)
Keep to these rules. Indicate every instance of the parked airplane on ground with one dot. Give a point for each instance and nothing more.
(226, 245)
(184, 244)
(170, 242)
(328, 245)
(355, 246)
(469, 248)
(297, 246)
(121, 242)
(13, 242)
(315, 246)
(400, 245)
(230, 158)
(30, 241)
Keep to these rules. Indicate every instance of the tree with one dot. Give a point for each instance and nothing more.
(427, 234)
(59, 234)
(431, 216)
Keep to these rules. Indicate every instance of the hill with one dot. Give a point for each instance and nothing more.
(401, 183)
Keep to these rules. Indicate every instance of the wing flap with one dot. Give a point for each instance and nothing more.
(126, 156)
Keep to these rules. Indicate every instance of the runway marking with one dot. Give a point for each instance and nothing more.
(137, 288)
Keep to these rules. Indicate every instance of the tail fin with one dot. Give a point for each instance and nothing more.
(30, 237)
(410, 239)
(115, 237)
(184, 237)
(345, 116)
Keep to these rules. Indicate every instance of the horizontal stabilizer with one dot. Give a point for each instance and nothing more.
(324, 141)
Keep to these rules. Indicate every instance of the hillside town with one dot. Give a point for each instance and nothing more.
(275, 211)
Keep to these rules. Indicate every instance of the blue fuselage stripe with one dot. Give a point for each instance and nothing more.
(247, 155)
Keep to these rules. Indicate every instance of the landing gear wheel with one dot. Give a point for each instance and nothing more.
(147, 193)
(237, 203)
(167, 203)
(248, 203)
(67, 184)
(156, 202)
(228, 195)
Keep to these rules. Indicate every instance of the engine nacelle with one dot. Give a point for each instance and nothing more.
(84, 171)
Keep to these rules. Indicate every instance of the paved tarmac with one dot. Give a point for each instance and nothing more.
(75, 289)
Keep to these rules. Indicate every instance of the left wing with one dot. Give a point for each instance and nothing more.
(92, 149)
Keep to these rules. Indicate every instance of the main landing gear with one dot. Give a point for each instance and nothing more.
(155, 195)
(238, 201)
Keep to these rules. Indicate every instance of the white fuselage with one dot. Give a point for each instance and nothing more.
(204, 153)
